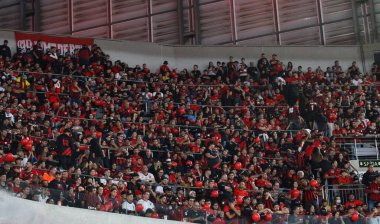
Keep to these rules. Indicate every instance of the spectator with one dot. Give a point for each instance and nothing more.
(374, 192)
(352, 202)
(145, 176)
(369, 176)
(146, 203)
(84, 56)
(96, 151)
(5, 51)
(65, 148)
(128, 206)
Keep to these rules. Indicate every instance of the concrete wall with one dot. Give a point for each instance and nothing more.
(14, 210)
(306, 56)
(10, 36)
(369, 50)
(180, 57)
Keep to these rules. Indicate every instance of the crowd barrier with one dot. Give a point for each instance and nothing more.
(18, 210)
(330, 192)
(45, 205)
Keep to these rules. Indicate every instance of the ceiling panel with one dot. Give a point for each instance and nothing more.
(89, 14)
(292, 16)
(377, 15)
(9, 16)
(260, 41)
(159, 6)
(215, 23)
(135, 30)
(308, 36)
(254, 18)
(55, 16)
(100, 32)
(336, 9)
(124, 10)
(340, 33)
(165, 28)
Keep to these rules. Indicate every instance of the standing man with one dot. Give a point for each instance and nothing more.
(5, 51)
(65, 148)
(96, 150)
(84, 56)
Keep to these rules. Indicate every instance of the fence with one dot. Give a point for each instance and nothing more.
(363, 148)
(36, 209)
(330, 192)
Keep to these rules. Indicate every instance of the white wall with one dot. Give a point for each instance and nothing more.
(10, 36)
(369, 50)
(133, 53)
(14, 210)
(180, 57)
(305, 56)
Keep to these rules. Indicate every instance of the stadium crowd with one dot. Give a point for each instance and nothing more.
(231, 143)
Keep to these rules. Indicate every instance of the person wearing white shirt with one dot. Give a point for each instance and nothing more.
(145, 176)
(146, 203)
(9, 115)
(128, 206)
(164, 183)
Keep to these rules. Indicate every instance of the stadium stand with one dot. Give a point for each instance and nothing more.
(235, 142)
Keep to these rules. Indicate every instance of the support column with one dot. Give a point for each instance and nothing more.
(197, 22)
(37, 16)
(22, 15)
(150, 21)
(71, 16)
(276, 19)
(320, 22)
(181, 39)
(375, 35)
(356, 22)
(233, 21)
(110, 30)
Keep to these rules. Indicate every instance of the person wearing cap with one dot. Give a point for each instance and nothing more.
(65, 148)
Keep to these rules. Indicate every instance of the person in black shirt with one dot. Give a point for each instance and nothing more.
(212, 159)
(65, 148)
(96, 150)
(57, 187)
(246, 211)
(369, 176)
(195, 215)
(5, 51)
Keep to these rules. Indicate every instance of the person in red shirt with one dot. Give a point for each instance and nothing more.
(333, 174)
(241, 190)
(374, 193)
(344, 178)
(164, 68)
(352, 201)
(28, 173)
